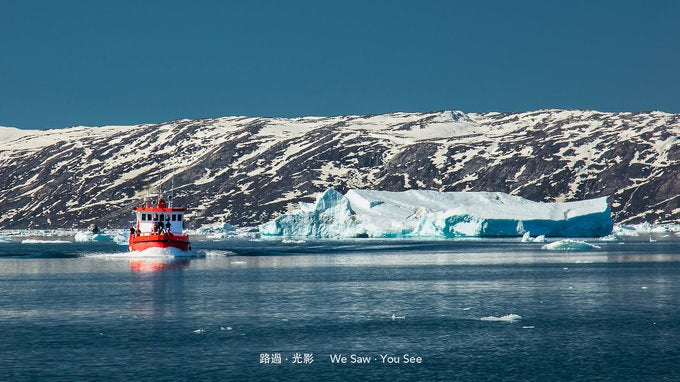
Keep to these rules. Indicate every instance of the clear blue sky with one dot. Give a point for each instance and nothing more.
(67, 63)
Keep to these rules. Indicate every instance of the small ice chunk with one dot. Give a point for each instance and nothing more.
(291, 241)
(569, 245)
(539, 239)
(507, 318)
(609, 238)
(199, 331)
(84, 237)
(643, 287)
(526, 238)
(38, 241)
(468, 308)
(528, 327)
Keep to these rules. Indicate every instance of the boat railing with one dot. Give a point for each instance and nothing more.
(141, 234)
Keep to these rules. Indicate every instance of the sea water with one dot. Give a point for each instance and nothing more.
(455, 310)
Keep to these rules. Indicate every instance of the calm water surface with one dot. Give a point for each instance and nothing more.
(84, 311)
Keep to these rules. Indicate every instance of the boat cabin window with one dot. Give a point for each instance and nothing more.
(174, 217)
(162, 217)
(179, 217)
(148, 217)
(143, 216)
(155, 216)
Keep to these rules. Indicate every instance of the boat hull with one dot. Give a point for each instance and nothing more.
(140, 243)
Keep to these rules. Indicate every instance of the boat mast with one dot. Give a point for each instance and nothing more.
(172, 189)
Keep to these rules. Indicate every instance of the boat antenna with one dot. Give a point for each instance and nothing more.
(172, 189)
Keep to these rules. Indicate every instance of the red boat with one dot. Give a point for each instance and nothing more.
(158, 226)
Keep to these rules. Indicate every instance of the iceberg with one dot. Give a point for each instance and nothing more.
(330, 216)
(418, 213)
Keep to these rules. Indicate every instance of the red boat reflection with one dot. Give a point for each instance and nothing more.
(155, 265)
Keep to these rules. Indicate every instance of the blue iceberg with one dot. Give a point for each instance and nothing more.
(418, 213)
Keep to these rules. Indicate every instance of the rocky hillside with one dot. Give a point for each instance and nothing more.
(244, 170)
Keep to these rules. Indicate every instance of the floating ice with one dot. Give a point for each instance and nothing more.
(330, 216)
(644, 228)
(526, 238)
(216, 228)
(540, 239)
(40, 241)
(121, 239)
(217, 253)
(609, 238)
(417, 213)
(508, 318)
(289, 241)
(569, 245)
(223, 231)
(5, 240)
(89, 236)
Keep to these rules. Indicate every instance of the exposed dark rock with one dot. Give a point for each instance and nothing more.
(246, 170)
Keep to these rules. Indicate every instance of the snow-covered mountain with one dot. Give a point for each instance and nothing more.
(246, 170)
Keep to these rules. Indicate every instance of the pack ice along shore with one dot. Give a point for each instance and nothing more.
(415, 213)
(247, 170)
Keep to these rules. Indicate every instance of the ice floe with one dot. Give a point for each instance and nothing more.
(644, 229)
(121, 239)
(609, 238)
(507, 318)
(218, 231)
(540, 239)
(42, 241)
(89, 236)
(526, 238)
(569, 245)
